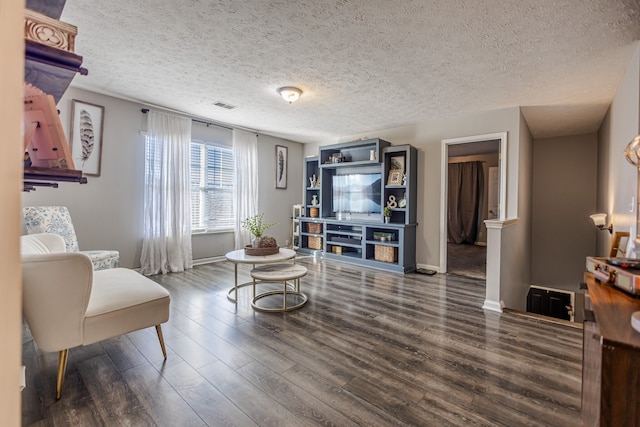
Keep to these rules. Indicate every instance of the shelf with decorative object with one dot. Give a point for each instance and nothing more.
(312, 190)
(400, 188)
(356, 153)
(50, 65)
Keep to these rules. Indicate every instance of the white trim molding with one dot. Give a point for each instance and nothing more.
(493, 305)
(444, 167)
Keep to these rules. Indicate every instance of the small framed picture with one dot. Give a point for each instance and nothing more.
(282, 154)
(396, 163)
(86, 136)
(395, 177)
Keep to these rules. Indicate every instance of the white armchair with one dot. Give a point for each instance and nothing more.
(57, 220)
(66, 303)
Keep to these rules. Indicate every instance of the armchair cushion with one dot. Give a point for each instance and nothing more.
(57, 220)
(51, 219)
(103, 260)
(123, 301)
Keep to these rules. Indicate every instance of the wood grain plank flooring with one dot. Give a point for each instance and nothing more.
(370, 348)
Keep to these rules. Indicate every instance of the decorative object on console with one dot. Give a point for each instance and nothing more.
(282, 159)
(265, 245)
(314, 200)
(600, 221)
(87, 121)
(392, 203)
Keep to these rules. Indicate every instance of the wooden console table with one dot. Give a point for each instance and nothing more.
(611, 357)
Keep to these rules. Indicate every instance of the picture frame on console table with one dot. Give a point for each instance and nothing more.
(282, 160)
(87, 122)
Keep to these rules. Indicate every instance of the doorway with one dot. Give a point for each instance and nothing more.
(471, 193)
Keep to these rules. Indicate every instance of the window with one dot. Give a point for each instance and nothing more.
(212, 169)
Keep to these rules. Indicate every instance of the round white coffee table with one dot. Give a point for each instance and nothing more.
(239, 257)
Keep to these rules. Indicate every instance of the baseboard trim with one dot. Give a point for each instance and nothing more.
(210, 260)
(493, 305)
(541, 317)
(429, 267)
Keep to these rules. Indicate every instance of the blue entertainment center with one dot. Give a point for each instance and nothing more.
(347, 188)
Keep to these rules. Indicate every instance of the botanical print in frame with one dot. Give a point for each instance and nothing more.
(86, 136)
(281, 166)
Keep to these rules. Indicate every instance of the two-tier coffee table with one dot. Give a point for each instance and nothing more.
(239, 257)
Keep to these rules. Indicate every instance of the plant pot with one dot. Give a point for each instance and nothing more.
(387, 219)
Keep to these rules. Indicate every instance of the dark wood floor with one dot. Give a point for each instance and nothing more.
(370, 348)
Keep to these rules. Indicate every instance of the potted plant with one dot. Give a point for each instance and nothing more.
(257, 227)
(386, 212)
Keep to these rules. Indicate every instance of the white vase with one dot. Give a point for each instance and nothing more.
(255, 243)
(387, 219)
(314, 200)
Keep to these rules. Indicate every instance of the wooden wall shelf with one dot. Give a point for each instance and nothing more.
(47, 177)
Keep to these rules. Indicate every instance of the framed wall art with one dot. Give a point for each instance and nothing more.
(86, 136)
(282, 160)
(397, 163)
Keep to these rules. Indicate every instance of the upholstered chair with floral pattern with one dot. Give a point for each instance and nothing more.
(57, 220)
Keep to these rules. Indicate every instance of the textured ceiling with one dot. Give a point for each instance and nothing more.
(364, 65)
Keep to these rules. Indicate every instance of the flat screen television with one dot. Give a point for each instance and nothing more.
(357, 193)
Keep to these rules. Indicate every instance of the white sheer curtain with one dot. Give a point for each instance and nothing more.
(166, 242)
(245, 150)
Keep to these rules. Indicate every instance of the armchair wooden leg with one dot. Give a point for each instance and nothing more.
(159, 331)
(62, 367)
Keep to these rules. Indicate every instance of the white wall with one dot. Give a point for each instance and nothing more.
(427, 138)
(617, 178)
(564, 195)
(516, 260)
(277, 203)
(11, 107)
(108, 211)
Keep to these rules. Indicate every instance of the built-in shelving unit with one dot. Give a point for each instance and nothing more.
(362, 238)
(312, 186)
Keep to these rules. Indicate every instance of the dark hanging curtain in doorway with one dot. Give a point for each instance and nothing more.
(466, 192)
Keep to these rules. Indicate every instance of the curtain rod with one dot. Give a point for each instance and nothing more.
(146, 110)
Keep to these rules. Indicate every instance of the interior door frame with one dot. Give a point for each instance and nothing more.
(444, 184)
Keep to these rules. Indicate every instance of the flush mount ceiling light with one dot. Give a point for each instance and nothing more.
(290, 93)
